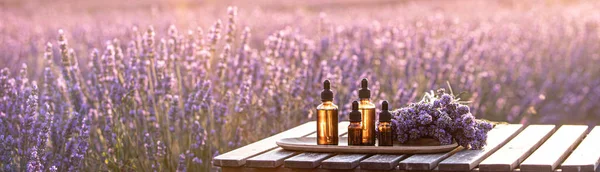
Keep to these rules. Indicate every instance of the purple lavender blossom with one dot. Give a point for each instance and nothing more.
(182, 167)
(34, 163)
(179, 86)
(414, 122)
(424, 118)
(199, 135)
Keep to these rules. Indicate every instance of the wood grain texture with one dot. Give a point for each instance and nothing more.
(270, 159)
(246, 169)
(586, 156)
(343, 161)
(282, 169)
(514, 152)
(425, 161)
(275, 157)
(555, 149)
(466, 160)
(381, 162)
(238, 156)
(313, 160)
(306, 160)
(332, 163)
(308, 144)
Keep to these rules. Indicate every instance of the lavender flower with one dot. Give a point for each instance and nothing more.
(197, 160)
(199, 135)
(7, 144)
(414, 122)
(179, 86)
(232, 12)
(182, 167)
(424, 118)
(34, 163)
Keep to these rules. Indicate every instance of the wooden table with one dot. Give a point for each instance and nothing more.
(510, 147)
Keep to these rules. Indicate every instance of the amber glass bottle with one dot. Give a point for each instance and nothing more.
(367, 109)
(355, 128)
(327, 118)
(385, 126)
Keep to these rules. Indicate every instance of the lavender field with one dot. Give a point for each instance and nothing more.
(167, 85)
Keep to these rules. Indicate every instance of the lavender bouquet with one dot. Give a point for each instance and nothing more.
(440, 116)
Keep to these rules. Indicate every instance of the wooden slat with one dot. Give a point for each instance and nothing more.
(586, 156)
(515, 170)
(514, 152)
(421, 146)
(246, 169)
(306, 160)
(466, 160)
(425, 161)
(238, 156)
(313, 160)
(381, 162)
(275, 157)
(270, 159)
(555, 149)
(343, 161)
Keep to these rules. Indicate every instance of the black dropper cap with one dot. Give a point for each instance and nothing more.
(364, 92)
(355, 114)
(385, 115)
(326, 94)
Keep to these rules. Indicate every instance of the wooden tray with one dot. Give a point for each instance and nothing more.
(309, 144)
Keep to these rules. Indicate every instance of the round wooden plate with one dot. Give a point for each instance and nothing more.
(309, 144)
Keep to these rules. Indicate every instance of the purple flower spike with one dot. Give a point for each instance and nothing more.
(441, 117)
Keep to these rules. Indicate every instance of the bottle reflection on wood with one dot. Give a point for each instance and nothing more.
(327, 118)
(385, 126)
(355, 127)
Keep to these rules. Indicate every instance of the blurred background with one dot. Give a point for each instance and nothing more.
(190, 79)
(27, 25)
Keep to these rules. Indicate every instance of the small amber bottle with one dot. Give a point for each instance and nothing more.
(355, 128)
(327, 118)
(367, 110)
(385, 126)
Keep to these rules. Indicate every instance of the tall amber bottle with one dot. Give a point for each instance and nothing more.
(327, 118)
(367, 109)
(384, 137)
(355, 128)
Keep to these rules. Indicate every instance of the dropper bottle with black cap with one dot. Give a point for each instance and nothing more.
(384, 137)
(355, 127)
(367, 109)
(327, 118)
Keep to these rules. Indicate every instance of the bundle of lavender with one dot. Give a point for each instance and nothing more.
(440, 116)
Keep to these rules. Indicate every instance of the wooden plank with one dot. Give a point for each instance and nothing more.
(237, 157)
(555, 149)
(515, 170)
(514, 152)
(381, 162)
(246, 169)
(334, 162)
(271, 159)
(343, 161)
(466, 160)
(306, 160)
(425, 161)
(275, 157)
(308, 144)
(281, 169)
(586, 156)
(313, 160)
